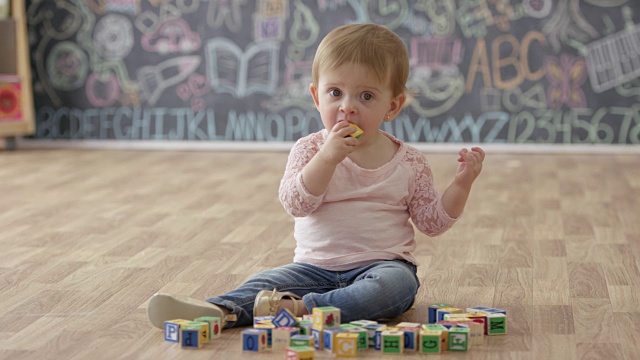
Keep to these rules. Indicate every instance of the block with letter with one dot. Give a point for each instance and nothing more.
(446, 310)
(284, 317)
(300, 353)
(392, 342)
(378, 337)
(430, 342)
(330, 337)
(172, 329)
(263, 320)
(281, 337)
(204, 330)
(327, 317)
(254, 340)
(459, 339)
(215, 325)
(444, 334)
(363, 323)
(496, 324)
(477, 309)
(318, 339)
(302, 340)
(305, 326)
(411, 338)
(269, 328)
(371, 333)
(433, 308)
(403, 325)
(192, 336)
(346, 345)
(362, 337)
(476, 332)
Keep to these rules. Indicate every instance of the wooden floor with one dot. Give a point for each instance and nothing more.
(86, 237)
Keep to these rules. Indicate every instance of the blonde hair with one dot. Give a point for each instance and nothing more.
(374, 46)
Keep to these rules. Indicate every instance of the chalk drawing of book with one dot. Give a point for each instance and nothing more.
(239, 73)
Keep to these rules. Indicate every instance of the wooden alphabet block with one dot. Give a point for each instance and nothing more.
(215, 326)
(496, 324)
(284, 317)
(269, 328)
(281, 337)
(192, 336)
(433, 308)
(318, 339)
(446, 310)
(172, 330)
(302, 340)
(430, 342)
(330, 338)
(300, 353)
(411, 338)
(254, 340)
(459, 339)
(346, 345)
(305, 326)
(362, 336)
(444, 333)
(327, 317)
(392, 342)
(371, 333)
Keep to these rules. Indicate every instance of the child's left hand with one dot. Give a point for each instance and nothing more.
(470, 166)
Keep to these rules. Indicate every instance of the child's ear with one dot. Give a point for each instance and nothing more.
(396, 105)
(314, 94)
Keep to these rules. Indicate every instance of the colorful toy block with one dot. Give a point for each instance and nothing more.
(215, 326)
(172, 330)
(193, 335)
(358, 131)
(302, 340)
(411, 338)
(346, 345)
(378, 337)
(447, 310)
(476, 332)
(318, 339)
(330, 337)
(269, 328)
(305, 326)
(284, 317)
(459, 339)
(363, 323)
(496, 324)
(254, 340)
(363, 336)
(444, 334)
(263, 320)
(403, 325)
(433, 309)
(392, 342)
(308, 317)
(300, 353)
(327, 317)
(430, 342)
(281, 337)
(477, 309)
(371, 333)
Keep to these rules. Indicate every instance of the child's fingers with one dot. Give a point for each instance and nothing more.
(479, 151)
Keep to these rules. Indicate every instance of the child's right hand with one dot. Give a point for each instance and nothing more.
(339, 144)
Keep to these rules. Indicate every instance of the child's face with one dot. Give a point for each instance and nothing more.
(351, 93)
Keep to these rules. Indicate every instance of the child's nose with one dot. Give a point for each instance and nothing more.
(348, 107)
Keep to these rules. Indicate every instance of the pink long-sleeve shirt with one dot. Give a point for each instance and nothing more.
(364, 214)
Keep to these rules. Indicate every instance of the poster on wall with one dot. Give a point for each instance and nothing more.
(482, 71)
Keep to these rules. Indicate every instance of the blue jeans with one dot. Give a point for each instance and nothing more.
(384, 289)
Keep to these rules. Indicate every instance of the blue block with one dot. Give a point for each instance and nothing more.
(190, 338)
(284, 318)
(171, 332)
(410, 341)
(251, 339)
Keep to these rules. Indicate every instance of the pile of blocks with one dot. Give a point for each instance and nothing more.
(448, 329)
(193, 334)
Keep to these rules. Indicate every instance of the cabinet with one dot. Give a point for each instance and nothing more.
(16, 95)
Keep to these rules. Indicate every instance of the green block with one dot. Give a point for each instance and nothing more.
(435, 327)
(362, 337)
(458, 339)
(392, 344)
(497, 325)
(430, 343)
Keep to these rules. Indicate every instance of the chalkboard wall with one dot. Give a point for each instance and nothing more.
(490, 71)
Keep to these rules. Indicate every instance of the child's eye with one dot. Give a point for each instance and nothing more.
(335, 92)
(367, 96)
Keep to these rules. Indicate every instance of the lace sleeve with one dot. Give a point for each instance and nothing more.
(425, 206)
(295, 198)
